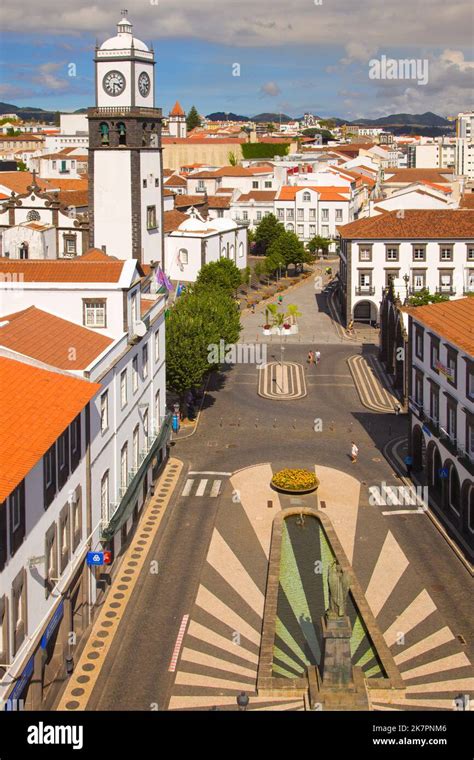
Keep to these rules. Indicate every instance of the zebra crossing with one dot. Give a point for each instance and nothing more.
(205, 485)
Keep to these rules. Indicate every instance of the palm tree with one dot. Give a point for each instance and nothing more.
(292, 311)
(272, 309)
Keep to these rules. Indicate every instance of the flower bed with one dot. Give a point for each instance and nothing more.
(295, 481)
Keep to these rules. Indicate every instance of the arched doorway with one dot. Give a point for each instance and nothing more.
(418, 448)
(365, 311)
(453, 489)
(467, 501)
(434, 465)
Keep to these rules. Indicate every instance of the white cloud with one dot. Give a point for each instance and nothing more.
(270, 88)
(271, 22)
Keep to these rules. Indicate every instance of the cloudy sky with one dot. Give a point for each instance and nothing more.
(294, 55)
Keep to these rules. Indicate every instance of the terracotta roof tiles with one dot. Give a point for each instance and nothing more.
(49, 339)
(36, 406)
(62, 270)
(416, 224)
(452, 320)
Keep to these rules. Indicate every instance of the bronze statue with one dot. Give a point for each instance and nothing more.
(338, 583)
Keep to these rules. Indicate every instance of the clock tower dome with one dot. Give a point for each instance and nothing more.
(125, 162)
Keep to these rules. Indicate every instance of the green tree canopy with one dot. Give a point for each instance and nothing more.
(223, 273)
(424, 297)
(290, 248)
(192, 119)
(201, 317)
(267, 231)
(318, 242)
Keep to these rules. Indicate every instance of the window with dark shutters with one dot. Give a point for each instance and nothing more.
(75, 442)
(49, 476)
(17, 517)
(63, 458)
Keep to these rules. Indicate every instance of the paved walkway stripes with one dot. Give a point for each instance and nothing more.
(373, 395)
(81, 683)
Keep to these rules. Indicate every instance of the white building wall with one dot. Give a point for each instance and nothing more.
(38, 521)
(112, 210)
(64, 300)
(150, 170)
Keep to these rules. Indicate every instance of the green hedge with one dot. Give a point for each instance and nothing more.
(264, 150)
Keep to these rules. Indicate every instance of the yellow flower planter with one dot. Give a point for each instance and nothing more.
(295, 481)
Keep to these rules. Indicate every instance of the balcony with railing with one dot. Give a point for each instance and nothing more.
(449, 441)
(432, 423)
(120, 511)
(446, 290)
(365, 290)
(466, 458)
(417, 407)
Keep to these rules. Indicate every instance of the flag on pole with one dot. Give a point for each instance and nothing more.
(162, 279)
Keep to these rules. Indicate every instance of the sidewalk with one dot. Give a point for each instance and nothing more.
(80, 685)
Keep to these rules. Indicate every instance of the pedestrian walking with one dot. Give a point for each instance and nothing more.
(317, 356)
(354, 452)
(280, 299)
(310, 358)
(252, 308)
(408, 465)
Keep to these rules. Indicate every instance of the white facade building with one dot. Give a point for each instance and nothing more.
(441, 407)
(196, 243)
(417, 249)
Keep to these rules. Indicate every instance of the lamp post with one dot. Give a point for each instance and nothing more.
(242, 701)
(406, 280)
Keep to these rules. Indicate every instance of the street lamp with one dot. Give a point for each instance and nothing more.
(242, 701)
(406, 280)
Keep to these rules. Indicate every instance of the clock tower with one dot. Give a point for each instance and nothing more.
(125, 162)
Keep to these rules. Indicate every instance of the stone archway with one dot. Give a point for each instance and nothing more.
(467, 501)
(365, 311)
(452, 491)
(434, 465)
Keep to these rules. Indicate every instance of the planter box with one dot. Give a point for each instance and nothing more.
(292, 491)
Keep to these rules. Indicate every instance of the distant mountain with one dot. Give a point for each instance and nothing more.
(427, 119)
(273, 118)
(28, 112)
(221, 116)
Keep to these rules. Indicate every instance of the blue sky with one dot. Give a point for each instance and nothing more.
(312, 58)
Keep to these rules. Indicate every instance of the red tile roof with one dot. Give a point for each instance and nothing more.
(336, 193)
(61, 270)
(182, 200)
(416, 224)
(145, 305)
(50, 339)
(177, 110)
(96, 254)
(175, 181)
(172, 220)
(78, 198)
(36, 406)
(218, 201)
(419, 175)
(258, 195)
(467, 201)
(452, 320)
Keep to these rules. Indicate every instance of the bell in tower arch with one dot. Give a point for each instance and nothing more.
(104, 133)
(122, 131)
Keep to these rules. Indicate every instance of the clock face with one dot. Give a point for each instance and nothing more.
(113, 83)
(144, 84)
